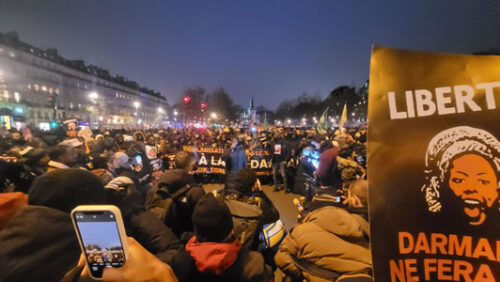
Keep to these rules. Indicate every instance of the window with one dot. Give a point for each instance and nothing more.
(46, 115)
(38, 114)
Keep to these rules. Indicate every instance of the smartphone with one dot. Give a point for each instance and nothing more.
(102, 237)
(138, 160)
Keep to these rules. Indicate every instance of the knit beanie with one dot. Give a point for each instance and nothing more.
(64, 189)
(212, 221)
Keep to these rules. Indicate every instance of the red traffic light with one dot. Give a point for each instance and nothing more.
(203, 105)
(187, 99)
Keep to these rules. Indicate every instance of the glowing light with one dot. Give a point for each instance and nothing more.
(136, 104)
(160, 110)
(16, 96)
(187, 99)
(213, 115)
(93, 95)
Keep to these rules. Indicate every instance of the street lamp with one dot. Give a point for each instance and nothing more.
(175, 113)
(136, 106)
(160, 110)
(213, 115)
(93, 95)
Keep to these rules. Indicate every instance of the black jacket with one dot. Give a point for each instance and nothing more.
(38, 244)
(180, 219)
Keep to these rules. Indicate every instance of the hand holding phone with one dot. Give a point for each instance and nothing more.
(141, 265)
(102, 237)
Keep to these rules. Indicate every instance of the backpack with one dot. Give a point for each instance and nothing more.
(164, 205)
(246, 218)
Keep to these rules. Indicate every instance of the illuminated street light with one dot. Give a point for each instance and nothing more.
(214, 115)
(93, 95)
(101, 118)
(160, 110)
(175, 112)
(136, 105)
(289, 121)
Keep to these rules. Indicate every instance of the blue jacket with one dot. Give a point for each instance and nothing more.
(238, 159)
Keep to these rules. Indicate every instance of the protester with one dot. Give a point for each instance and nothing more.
(281, 155)
(250, 207)
(39, 242)
(235, 160)
(216, 255)
(176, 194)
(61, 156)
(330, 242)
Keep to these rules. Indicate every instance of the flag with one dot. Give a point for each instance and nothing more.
(266, 124)
(323, 122)
(343, 118)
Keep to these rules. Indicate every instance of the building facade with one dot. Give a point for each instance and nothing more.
(39, 87)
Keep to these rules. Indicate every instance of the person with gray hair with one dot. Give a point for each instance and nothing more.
(462, 174)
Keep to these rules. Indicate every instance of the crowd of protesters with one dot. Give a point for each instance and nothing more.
(177, 229)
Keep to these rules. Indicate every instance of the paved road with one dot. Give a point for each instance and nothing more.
(281, 200)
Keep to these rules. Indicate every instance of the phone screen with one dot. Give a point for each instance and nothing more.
(138, 160)
(101, 240)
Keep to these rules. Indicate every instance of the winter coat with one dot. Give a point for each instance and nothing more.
(213, 261)
(280, 151)
(237, 160)
(38, 244)
(327, 171)
(9, 204)
(179, 220)
(329, 238)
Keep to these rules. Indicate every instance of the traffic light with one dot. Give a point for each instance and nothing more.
(50, 101)
(187, 99)
(203, 105)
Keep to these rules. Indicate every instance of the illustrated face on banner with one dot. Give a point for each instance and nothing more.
(473, 180)
(466, 161)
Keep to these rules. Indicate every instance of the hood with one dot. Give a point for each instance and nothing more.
(339, 222)
(213, 257)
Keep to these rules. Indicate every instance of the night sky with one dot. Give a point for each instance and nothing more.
(268, 49)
